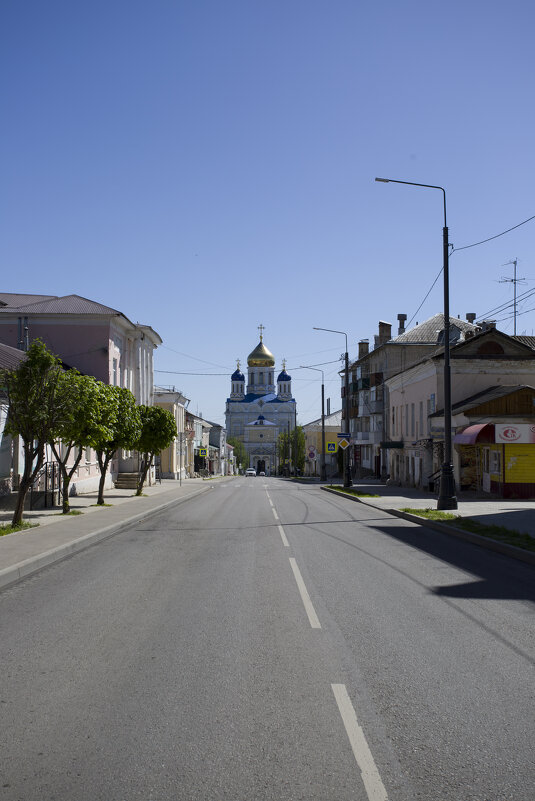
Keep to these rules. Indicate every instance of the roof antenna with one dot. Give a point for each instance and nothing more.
(514, 281)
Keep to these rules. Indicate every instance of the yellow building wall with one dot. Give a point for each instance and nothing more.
(520, 464)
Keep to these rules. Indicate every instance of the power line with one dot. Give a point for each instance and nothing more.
(503, 306)
(179, 372)
(494, 237)
(423, 301)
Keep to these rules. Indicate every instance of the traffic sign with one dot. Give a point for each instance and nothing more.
(345, 435)
(331, 447)
(202, 451)
(344, 443)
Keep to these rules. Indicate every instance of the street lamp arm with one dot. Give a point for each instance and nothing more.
(332, 331)
(412, 183)
(447, 498)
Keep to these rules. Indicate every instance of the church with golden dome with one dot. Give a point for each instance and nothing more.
(261, 409)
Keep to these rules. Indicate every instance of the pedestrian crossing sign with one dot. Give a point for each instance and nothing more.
(331, 447)
(202, 451)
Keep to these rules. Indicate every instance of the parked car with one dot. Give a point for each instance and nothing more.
(261, 473)
(250, 471)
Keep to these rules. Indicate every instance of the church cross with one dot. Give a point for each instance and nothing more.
(261, 329)
(238, 363)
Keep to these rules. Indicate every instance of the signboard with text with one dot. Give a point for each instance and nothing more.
(509, 432)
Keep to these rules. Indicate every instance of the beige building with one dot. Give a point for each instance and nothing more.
(369, 424)
(479, 362)
(173, 458)
(313, 445)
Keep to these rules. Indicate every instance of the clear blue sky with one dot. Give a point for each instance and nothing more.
(206, 166)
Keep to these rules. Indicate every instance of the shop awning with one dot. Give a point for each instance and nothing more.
(480, 432)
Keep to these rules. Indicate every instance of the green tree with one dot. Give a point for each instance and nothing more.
(298, 448)
(34, 410)
(240, 454)
(283, 453)
(77, 395)
(158, 430)
(291, 450)
(116, 424)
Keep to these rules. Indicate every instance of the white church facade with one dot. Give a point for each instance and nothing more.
(258, 410)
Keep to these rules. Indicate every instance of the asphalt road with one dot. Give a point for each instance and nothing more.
(270, 641)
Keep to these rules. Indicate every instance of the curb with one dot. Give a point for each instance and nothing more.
(11, 575)
(476, 539)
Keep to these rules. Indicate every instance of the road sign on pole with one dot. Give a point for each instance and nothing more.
(343, 443)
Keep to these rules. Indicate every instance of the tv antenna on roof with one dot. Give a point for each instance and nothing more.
(514, 281)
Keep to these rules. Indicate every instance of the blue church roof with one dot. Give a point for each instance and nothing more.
(237, 376)
(283, 376)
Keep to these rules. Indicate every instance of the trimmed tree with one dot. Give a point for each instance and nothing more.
(34, 411)
(158, 430)
(240, 454)
(115, 425)
(78, 395)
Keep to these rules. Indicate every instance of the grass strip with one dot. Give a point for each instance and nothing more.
(9, 529)
(500, 533)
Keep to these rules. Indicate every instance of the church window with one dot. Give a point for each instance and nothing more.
(261, 379)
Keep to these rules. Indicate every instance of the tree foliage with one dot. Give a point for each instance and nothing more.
(115, 424)
(291, 450)
(77, 395)
(34, 411)
(158, 430)
(240, 454)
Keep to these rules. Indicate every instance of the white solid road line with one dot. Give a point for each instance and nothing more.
(275, 514)
(305, 597)
(283, 537)
(370, 775)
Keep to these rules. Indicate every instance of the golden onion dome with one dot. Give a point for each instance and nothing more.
(261, 357)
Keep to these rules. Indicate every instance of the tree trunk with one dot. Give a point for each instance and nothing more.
(144, 472)
(65, 506)
(26, 480)
(103, 462)
(67, 477)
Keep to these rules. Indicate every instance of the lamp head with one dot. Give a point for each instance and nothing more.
(383, 180)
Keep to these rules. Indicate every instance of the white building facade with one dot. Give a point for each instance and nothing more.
(260, 409)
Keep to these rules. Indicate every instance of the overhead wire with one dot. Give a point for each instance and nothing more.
(465, 247)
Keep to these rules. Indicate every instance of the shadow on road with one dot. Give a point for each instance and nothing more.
(500, 576)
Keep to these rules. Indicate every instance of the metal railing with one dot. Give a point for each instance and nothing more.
(48, 485)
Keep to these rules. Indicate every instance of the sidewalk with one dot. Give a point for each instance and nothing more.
(516, 515)
(58, 536)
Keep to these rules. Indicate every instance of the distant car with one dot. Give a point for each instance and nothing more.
(261, 473)
(250, 471)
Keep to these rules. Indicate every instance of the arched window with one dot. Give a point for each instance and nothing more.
(490, 349)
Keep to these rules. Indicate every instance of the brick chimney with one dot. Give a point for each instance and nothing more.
(471, 316)
(385, 334)
(364, 348)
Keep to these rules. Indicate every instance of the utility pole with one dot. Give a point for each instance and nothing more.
(514, 281)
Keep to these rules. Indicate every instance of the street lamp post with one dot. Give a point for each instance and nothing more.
(323, 474)
(347, 469)
(447, 498)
